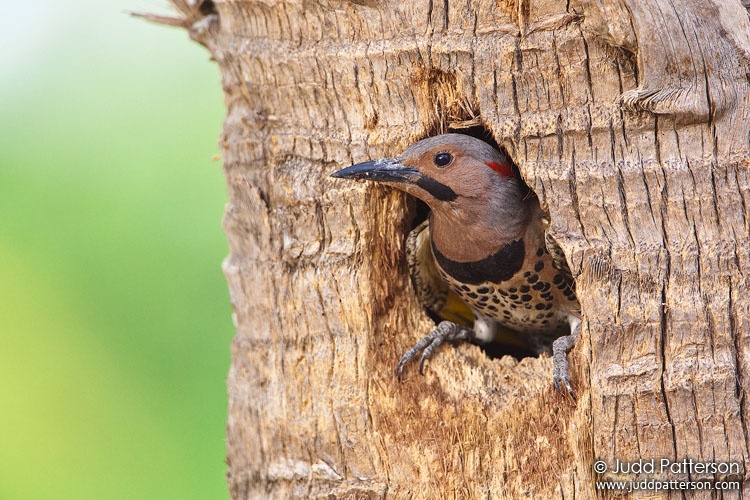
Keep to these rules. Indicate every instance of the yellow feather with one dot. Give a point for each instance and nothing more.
(456, 310)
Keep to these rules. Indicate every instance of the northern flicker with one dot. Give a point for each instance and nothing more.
(486, 243)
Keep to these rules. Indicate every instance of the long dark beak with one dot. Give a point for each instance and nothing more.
(383, 170)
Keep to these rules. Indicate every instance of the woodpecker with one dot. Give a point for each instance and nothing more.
(485, 246)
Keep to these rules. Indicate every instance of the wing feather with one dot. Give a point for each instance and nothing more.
(559, 261)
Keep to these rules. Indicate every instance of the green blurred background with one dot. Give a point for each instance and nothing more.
(115, 321)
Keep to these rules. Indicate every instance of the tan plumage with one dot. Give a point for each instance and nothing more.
(436, 296)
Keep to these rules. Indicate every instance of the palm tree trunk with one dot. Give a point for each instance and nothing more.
(629, 119)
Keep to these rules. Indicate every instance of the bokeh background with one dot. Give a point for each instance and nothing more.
(115, 321)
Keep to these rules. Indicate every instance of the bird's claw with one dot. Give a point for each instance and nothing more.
(424, 358)
(562, 385)
(427, 345)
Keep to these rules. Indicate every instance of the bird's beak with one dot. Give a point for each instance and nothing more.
(383, 170)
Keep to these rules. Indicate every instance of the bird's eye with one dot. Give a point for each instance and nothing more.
(443, 159)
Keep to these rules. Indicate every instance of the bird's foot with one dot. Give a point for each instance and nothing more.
(445, 331)
(560, 348)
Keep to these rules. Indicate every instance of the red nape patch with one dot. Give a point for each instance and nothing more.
(503, 169)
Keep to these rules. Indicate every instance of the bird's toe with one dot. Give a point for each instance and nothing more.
(446, 330)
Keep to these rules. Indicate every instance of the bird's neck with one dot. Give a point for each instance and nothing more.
(470, 237)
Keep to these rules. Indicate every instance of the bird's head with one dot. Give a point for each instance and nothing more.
(453, 173)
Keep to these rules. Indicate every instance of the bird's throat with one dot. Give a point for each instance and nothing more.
(469, 240)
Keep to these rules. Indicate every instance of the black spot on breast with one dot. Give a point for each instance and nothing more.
(539, 266)
(495, 268)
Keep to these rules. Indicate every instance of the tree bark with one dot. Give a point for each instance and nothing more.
(628, 118)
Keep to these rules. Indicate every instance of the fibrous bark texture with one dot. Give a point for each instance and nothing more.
(628, 118)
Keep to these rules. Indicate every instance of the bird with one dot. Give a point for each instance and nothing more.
(485, 251)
